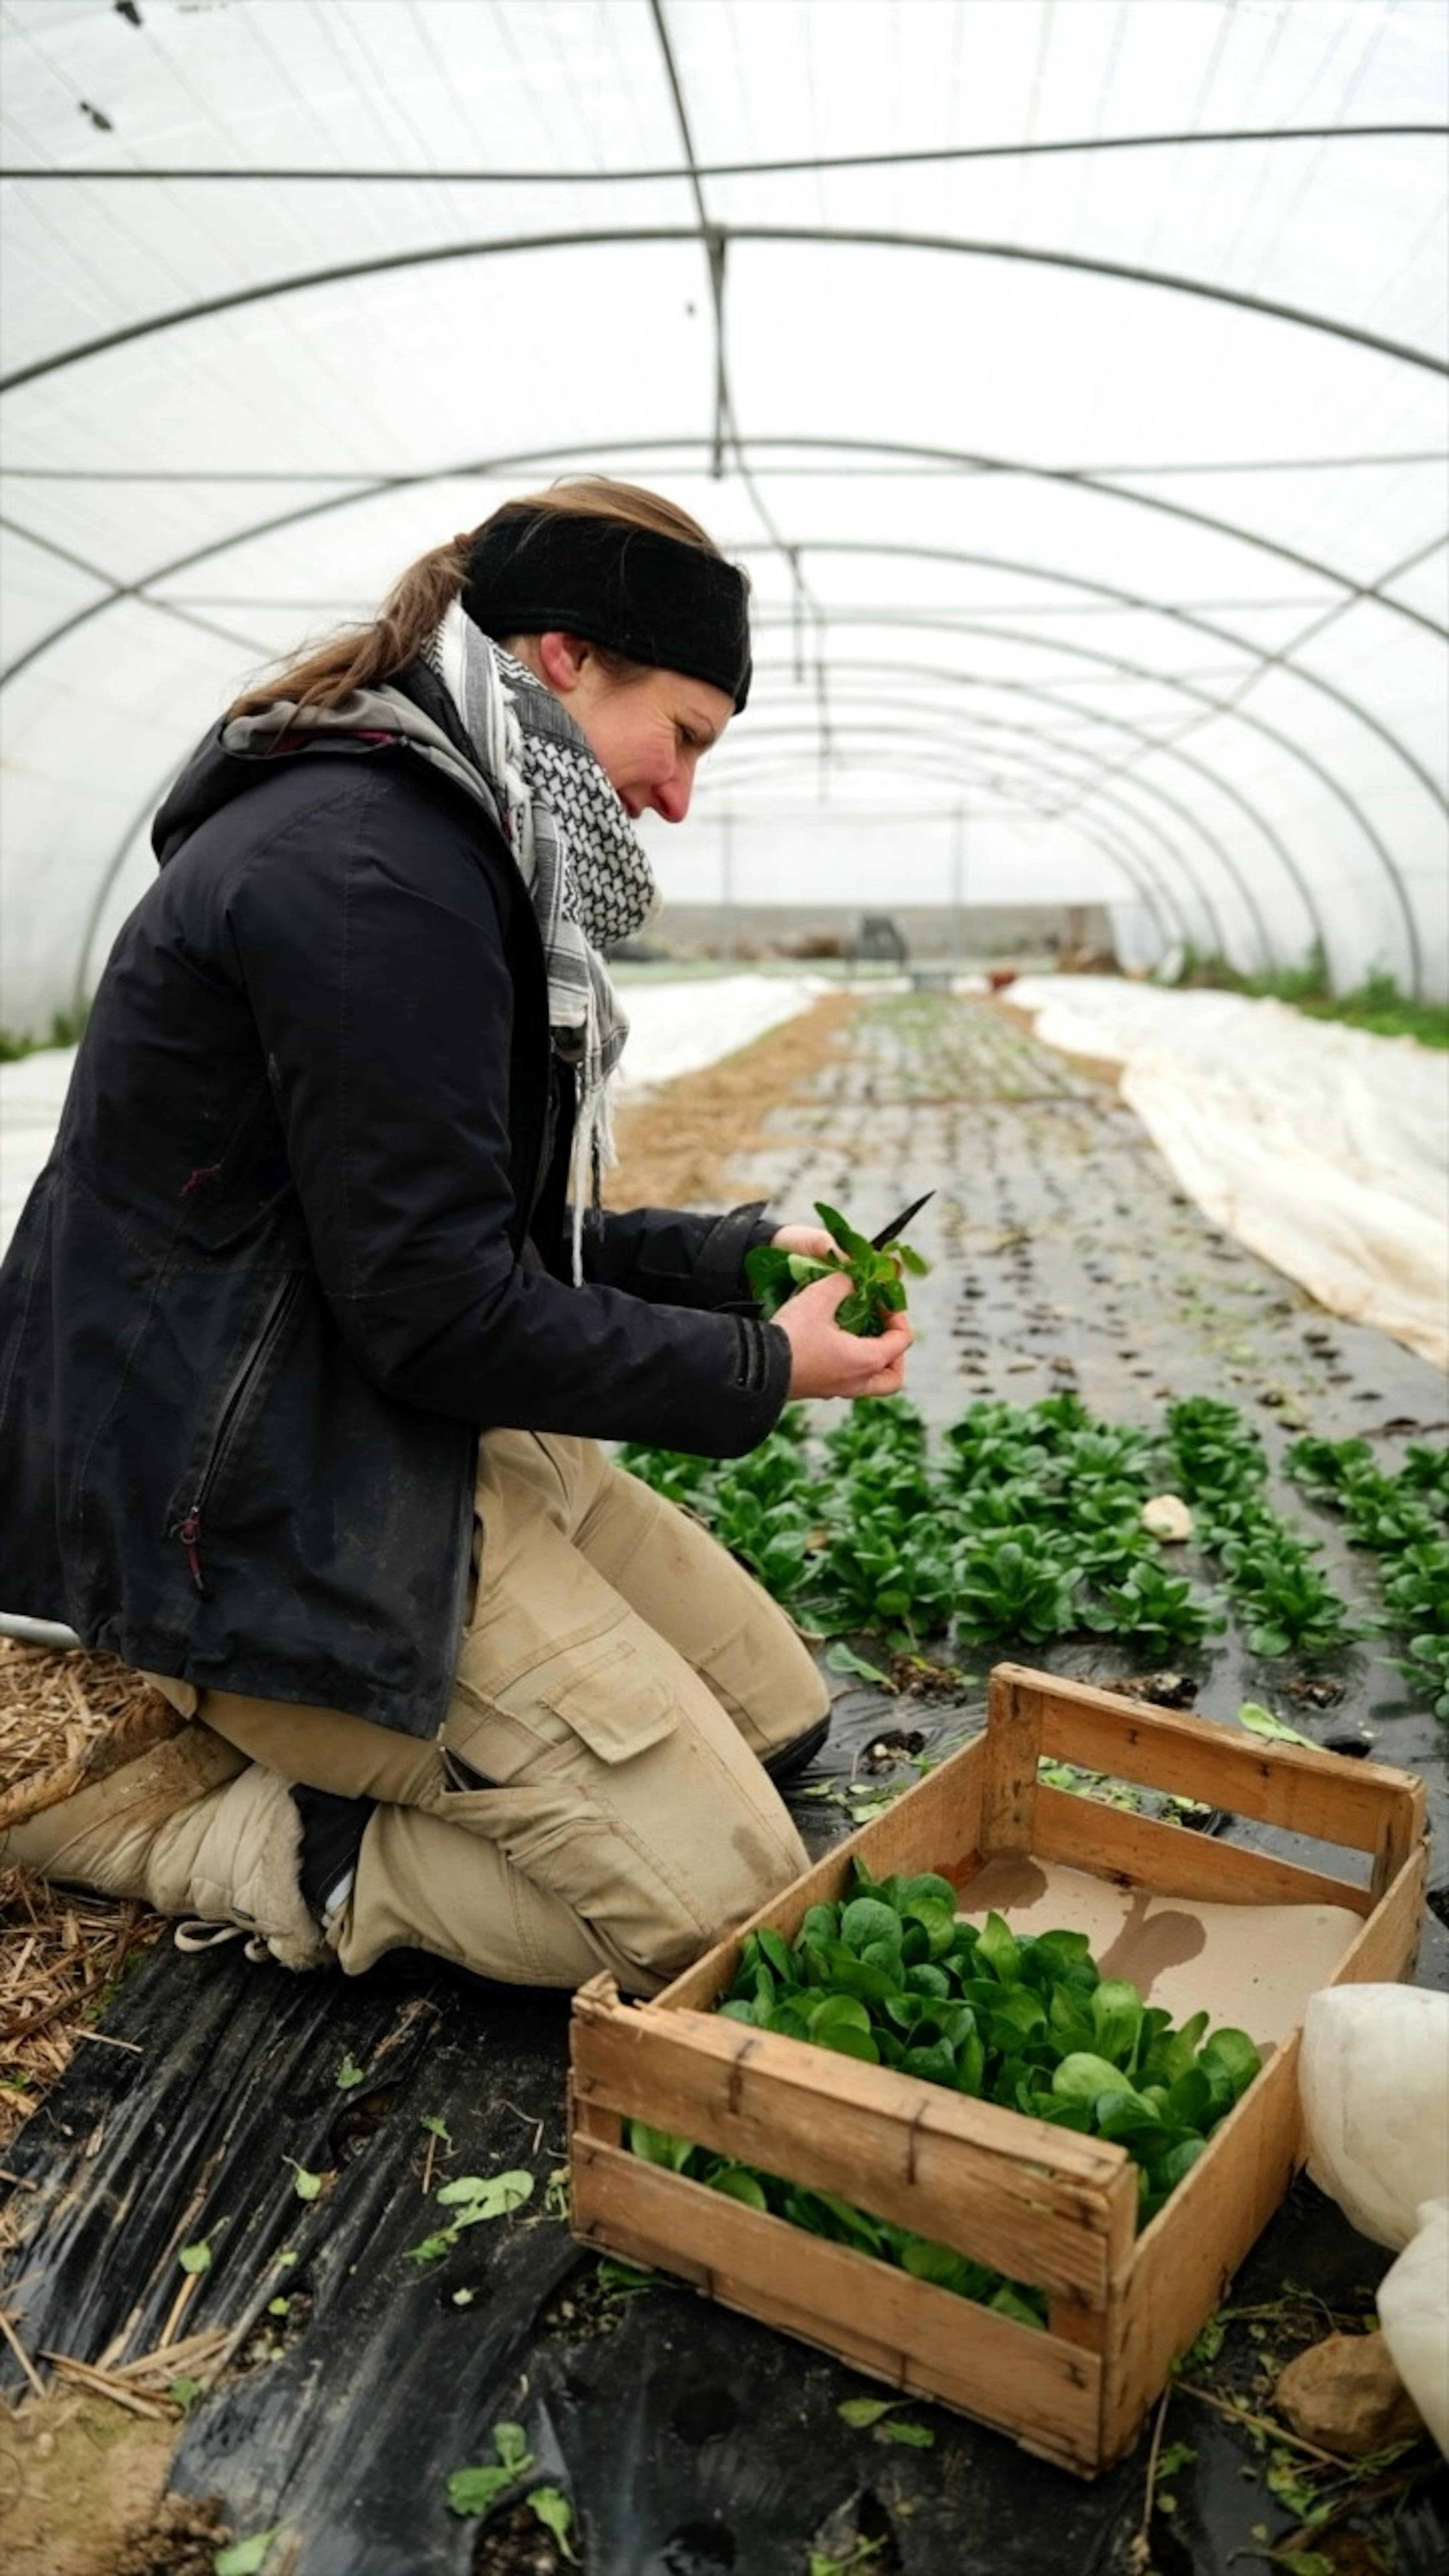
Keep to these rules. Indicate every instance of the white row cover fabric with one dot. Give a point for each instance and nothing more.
(1373, 2074)
(679, 1027)
(1084, 440)
(1323, 1148)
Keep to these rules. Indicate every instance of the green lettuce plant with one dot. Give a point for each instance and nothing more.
(877, 1291)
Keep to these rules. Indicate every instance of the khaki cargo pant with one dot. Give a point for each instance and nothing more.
(618, 1679)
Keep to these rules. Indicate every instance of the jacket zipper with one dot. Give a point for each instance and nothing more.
(188, 1528)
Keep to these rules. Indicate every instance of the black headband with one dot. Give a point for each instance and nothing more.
(661, 602)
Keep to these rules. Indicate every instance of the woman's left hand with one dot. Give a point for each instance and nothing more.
(809, 1239)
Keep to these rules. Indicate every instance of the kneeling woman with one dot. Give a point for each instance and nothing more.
(313, 1323)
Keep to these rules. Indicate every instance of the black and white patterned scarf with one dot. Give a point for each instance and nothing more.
(588, 879)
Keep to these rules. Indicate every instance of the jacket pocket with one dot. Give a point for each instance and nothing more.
(238, 1405)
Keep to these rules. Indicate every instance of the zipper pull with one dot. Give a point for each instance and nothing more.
(189, 1533)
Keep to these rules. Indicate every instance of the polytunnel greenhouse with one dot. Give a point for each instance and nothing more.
(783, 1767)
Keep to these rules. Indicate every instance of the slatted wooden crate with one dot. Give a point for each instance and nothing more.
(1043, 2205)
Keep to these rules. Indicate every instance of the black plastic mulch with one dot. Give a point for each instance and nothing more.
(690, 2441)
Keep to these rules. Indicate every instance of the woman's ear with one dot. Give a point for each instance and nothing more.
(561, 660)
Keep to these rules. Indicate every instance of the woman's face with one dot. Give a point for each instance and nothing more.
(648, 733)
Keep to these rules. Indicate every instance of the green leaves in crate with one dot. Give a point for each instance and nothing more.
(657, 2147)
(1117, 2019)
(891, 1975)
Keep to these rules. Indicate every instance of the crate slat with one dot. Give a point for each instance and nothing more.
(1296, 1786)
(1013, 1752)
(915, 2337)
(1004, 2190)
(1385, 1949)
(1182, 2264)
(1175, 1862)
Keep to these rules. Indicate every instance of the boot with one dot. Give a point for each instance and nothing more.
(191, 1829)
(792, 1756)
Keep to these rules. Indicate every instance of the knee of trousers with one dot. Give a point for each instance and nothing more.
(783, 1692)
(688, 1897)
(647, 1893)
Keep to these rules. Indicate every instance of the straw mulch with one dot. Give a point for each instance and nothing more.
(62, 1951)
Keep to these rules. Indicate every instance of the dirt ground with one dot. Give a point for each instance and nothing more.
(81, 2489)
(691, 1142)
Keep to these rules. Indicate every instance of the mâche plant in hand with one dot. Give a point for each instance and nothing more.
(877, 1291)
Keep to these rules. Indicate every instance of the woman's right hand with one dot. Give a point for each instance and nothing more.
(826, 1361)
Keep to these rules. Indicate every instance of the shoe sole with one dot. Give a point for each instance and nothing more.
(792, 1757)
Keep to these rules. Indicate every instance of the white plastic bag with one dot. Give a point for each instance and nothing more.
(1414, 2314)
(1374, 2078)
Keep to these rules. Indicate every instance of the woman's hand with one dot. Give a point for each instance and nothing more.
(826, 1361)
(812, 1240)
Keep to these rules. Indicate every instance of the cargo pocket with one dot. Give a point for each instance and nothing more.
(599, 1701)
(533, 1823)
(583, 1853)
(616, 1706)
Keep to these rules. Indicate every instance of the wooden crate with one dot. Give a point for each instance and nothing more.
(1043, 2205)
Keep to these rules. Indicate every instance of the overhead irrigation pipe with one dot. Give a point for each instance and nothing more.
(85, 174)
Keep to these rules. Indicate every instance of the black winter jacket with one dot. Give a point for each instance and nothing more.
(303, 1234)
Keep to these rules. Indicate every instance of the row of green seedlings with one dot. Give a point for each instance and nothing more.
(1402, 1521)
(892, 1975)
(1027, 1524)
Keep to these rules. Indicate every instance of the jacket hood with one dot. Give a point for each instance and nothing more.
(233, 757)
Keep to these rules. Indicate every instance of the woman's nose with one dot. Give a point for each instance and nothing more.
(672, 795)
